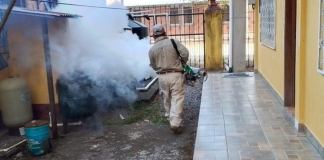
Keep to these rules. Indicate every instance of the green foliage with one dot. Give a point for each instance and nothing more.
(146, 111)
(141, 111)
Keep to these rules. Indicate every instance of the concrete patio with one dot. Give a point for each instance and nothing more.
(242, 118)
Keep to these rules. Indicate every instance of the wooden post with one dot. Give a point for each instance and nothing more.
(290, 52)
(213, 36)
(49, 73)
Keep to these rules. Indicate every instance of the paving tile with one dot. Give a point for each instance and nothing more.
(256, 154)
(280, 154)
(210, 146)
(242, 119)
(210, 130)
(210, 120)
(210, 155)
(243, 129)
(234, 155)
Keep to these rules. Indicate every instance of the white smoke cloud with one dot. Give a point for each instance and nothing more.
(97, 45)
(113, 2)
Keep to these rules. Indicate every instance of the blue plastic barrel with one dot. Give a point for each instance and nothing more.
(37, 135)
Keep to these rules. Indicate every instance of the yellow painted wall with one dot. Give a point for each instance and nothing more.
(4, 73)
(300, 59)
(311, 87)
(256, 36)
(26, 58)
(270, 62)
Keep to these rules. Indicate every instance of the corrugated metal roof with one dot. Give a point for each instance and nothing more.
(19, 10)
(130, 3)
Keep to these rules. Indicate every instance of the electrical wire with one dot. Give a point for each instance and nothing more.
(82, 5)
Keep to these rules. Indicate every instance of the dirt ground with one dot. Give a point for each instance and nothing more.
(141, 137)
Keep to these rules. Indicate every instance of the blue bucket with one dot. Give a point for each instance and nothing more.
(37, 135)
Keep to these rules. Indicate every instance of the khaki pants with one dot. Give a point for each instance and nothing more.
(172, 89)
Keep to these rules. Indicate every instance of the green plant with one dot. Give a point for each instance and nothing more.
(141, 111)
(146, 111)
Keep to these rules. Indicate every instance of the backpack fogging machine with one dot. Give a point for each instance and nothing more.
(192, 74)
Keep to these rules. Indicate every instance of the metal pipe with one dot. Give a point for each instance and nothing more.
(13, 146)
(148, 85)
(69, 124)
(6, 14)
(49, 73)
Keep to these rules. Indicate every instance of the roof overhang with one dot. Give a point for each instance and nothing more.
(46, 14)
(132, 3)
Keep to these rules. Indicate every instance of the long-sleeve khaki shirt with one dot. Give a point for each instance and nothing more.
(163, 56)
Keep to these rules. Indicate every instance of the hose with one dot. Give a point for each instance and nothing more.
(13, 146)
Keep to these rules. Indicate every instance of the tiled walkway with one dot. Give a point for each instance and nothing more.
(242, 119)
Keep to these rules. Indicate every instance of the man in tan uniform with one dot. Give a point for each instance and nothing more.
(165, 61)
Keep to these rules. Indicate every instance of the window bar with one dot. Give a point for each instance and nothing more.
(160, 12)
(253, 23)
(175, 25)
(204, 40)
(190, 44)
(247, 44)
(195, 44)
(199, 40)
(165, 21)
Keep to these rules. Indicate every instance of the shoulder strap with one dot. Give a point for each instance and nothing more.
(176, 48)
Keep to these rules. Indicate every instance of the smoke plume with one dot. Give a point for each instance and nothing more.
(96, 46)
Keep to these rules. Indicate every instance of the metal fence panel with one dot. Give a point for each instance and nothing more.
(182, 22)
(185, 22)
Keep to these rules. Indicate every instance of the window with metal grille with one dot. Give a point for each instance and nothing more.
(268, 23)
(321, 40)
(174, 16)
(187, 11)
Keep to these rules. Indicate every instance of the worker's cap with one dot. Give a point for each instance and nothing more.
(158, 30)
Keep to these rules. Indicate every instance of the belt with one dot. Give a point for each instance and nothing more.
(165, 72)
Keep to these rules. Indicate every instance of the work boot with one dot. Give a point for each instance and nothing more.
(176, 130)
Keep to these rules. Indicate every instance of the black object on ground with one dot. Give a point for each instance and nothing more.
(75, 99)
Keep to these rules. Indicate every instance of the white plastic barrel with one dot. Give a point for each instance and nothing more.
(15, 102)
